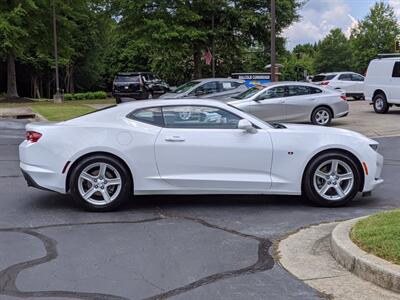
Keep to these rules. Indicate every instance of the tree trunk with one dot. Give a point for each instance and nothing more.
(197, 64)
(11, 77)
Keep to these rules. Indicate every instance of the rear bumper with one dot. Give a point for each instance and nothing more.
(340, 109)
(43, 179)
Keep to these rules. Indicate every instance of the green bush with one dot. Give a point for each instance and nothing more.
(86, 96)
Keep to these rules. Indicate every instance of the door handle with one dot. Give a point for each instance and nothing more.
(175, 139)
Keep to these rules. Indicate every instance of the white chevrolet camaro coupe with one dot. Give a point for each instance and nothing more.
(194, 147)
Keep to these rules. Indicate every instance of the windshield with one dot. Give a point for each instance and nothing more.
(185, 87)
(127, 79)
(247, 94)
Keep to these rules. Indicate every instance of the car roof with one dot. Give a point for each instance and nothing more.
(218, 79)
(174, 101)
(279, 83)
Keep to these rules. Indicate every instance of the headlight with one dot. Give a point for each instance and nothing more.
(374, 146)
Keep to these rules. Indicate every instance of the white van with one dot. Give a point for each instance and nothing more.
(382, 83)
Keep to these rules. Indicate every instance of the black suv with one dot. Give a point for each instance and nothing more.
(137, 86)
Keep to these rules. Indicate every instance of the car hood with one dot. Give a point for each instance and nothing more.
(315, 129)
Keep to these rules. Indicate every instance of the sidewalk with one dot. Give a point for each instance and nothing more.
(307, 255)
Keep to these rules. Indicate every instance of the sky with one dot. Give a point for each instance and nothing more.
(318, 17)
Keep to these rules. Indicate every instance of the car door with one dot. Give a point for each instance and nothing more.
(346, 84)
(201, 147)
(270, 104)
(358, 83)
(394, 90)
(299, 102)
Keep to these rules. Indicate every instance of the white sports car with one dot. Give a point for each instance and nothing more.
(194, 147)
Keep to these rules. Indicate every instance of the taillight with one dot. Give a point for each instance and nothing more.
(32, 136)
(343, 97)
(324, 82)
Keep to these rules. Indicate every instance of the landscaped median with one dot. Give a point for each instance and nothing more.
(59, 112)
(356, 245)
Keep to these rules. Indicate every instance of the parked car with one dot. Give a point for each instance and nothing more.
(293, 102)
(138, 85)
(349, 82)
(207, 88)
(382, 83)
(184, 147)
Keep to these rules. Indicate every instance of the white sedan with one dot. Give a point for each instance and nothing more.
(194, 147)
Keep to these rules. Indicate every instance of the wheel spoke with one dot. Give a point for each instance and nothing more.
(87, 177)
(346, 176)
(324, 189)
(89, 193)
(113, 181)
(106, 196)
(334, 166)
(339, 191)
(102, 171)
(321, 174)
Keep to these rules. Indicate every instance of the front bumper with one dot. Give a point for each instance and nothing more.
(374, 175)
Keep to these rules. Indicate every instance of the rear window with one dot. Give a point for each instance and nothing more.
(318, 78)
(396, 69)
(127, 78)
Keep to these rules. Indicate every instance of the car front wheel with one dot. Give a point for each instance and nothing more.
(100, 183)
(332, 179)
(321, 116)
(380, 104)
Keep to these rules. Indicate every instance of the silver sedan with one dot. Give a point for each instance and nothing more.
(292, 102)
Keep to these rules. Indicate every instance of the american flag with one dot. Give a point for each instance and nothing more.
(207, 57)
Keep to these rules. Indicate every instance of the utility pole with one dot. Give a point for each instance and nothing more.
(273, 36)
(57, 96)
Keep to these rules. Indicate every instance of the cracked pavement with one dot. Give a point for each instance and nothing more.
(157, 247)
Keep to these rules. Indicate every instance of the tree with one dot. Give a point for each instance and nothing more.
(333, 53)
(15, 26)
(375, 34)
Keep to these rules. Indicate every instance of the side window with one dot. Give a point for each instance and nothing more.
(276, 92)
(151, 116)
(314, 90)
(207, 88)
(298, 90)
(357, 77)
(229, 85)
(396, 69)
(199, 117)
(345, 77)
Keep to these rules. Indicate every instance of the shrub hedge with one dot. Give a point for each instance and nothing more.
(86, 96)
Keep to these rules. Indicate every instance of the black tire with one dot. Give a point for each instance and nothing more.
(380, 104)
(310, 190)
(124, 194)
(118, 100)
(316, 116)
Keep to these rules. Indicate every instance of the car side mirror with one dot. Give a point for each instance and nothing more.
(246, 126)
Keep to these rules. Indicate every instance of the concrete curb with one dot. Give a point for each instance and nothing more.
(359, 262)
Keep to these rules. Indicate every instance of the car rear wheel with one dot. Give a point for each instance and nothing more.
(100, 183)
(321, 116)
(380, 104)
(332, 179)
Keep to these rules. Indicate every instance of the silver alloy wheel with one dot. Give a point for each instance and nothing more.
(322, 117)
(333, 179)
(99, 183)
(379, 104)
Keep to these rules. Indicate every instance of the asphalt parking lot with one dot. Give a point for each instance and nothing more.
(165, 247)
